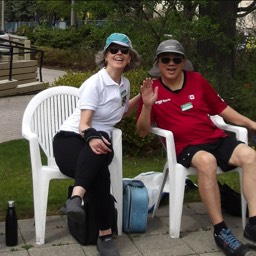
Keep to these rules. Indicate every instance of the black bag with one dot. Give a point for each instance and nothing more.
(230, 200)
(88, 232)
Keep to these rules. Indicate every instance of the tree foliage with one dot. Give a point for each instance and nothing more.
(20, 10)
(206, 28)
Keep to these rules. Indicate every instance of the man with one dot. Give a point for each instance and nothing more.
(181, 101)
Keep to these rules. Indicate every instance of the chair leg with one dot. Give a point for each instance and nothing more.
(117, 188)
(116, 172)
(165, 175)
(243, 201)
(176, 198)
(40, 209)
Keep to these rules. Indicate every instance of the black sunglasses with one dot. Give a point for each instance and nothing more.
(115, 49)
(166, 60)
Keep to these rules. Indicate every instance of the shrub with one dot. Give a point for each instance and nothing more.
(58, 38)
(75, 48)
(73, 79)
(68, 58)
(25, 30)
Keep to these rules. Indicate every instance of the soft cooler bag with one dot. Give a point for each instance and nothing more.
(135, 206)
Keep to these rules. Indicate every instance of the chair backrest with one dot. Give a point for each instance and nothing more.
(46, 112)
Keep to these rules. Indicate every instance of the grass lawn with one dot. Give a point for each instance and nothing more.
(16, 184)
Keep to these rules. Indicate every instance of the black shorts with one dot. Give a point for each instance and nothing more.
(222, 150)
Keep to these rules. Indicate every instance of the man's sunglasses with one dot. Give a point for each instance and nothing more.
(176, 60)
(115, 49)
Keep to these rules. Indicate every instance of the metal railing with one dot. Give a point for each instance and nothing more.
(12, 48)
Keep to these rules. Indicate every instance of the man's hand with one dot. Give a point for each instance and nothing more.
(149, 96)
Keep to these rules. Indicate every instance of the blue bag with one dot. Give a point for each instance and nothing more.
(135, 206)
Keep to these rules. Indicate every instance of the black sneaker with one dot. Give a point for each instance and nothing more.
(227, 242)
(74, 209)
(106, 247)
(250, 232)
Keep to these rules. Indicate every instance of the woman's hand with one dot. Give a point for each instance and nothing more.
(100, 146)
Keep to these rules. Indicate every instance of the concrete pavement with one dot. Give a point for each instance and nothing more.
(196, 237)
(12, 108)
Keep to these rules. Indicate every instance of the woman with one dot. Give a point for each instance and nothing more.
(82, 147)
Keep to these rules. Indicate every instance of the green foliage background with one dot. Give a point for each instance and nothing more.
(74, 49)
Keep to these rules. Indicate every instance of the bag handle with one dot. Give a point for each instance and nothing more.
(133, 183)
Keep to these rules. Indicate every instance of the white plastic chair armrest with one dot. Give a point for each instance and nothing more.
(34, 148)
(241, 132)
(169, 145)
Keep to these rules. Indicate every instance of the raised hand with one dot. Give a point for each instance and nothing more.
(149, 96)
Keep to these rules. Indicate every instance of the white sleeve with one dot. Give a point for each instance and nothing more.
(89, 94)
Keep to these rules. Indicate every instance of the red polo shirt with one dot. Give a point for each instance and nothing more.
(186, 112)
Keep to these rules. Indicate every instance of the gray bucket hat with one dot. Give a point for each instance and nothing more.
(170, 45)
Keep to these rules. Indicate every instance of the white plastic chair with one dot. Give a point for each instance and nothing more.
(41, 120)
(178, 173)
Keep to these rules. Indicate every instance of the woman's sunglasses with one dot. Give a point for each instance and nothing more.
(176, 60)
(115, 49)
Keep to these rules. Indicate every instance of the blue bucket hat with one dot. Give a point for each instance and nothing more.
(118, 38)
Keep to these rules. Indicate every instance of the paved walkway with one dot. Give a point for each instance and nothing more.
(12, 109)
(196, 237)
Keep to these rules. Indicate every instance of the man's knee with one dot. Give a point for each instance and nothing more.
(204, 161)
(244, 155)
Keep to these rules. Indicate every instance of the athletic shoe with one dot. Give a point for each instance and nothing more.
(74, 209)
(231, 246)
(106, 247)
(250, 232)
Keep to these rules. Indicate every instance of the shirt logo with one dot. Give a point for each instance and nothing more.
(159, 102)
(191, 97)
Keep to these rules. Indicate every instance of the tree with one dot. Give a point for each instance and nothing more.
(59, 9)
(26, 10)
(207, 28)
(219, 50)
(22, 10)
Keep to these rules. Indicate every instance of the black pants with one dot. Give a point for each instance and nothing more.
(75, 159)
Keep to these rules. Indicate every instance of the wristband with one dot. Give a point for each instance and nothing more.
(87, 130)
(91, 133)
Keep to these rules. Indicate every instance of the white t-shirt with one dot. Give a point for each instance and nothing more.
(106, 98)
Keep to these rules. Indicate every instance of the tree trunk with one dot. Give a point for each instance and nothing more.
(221, 49)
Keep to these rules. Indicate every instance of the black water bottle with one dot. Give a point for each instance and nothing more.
(11, 225)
